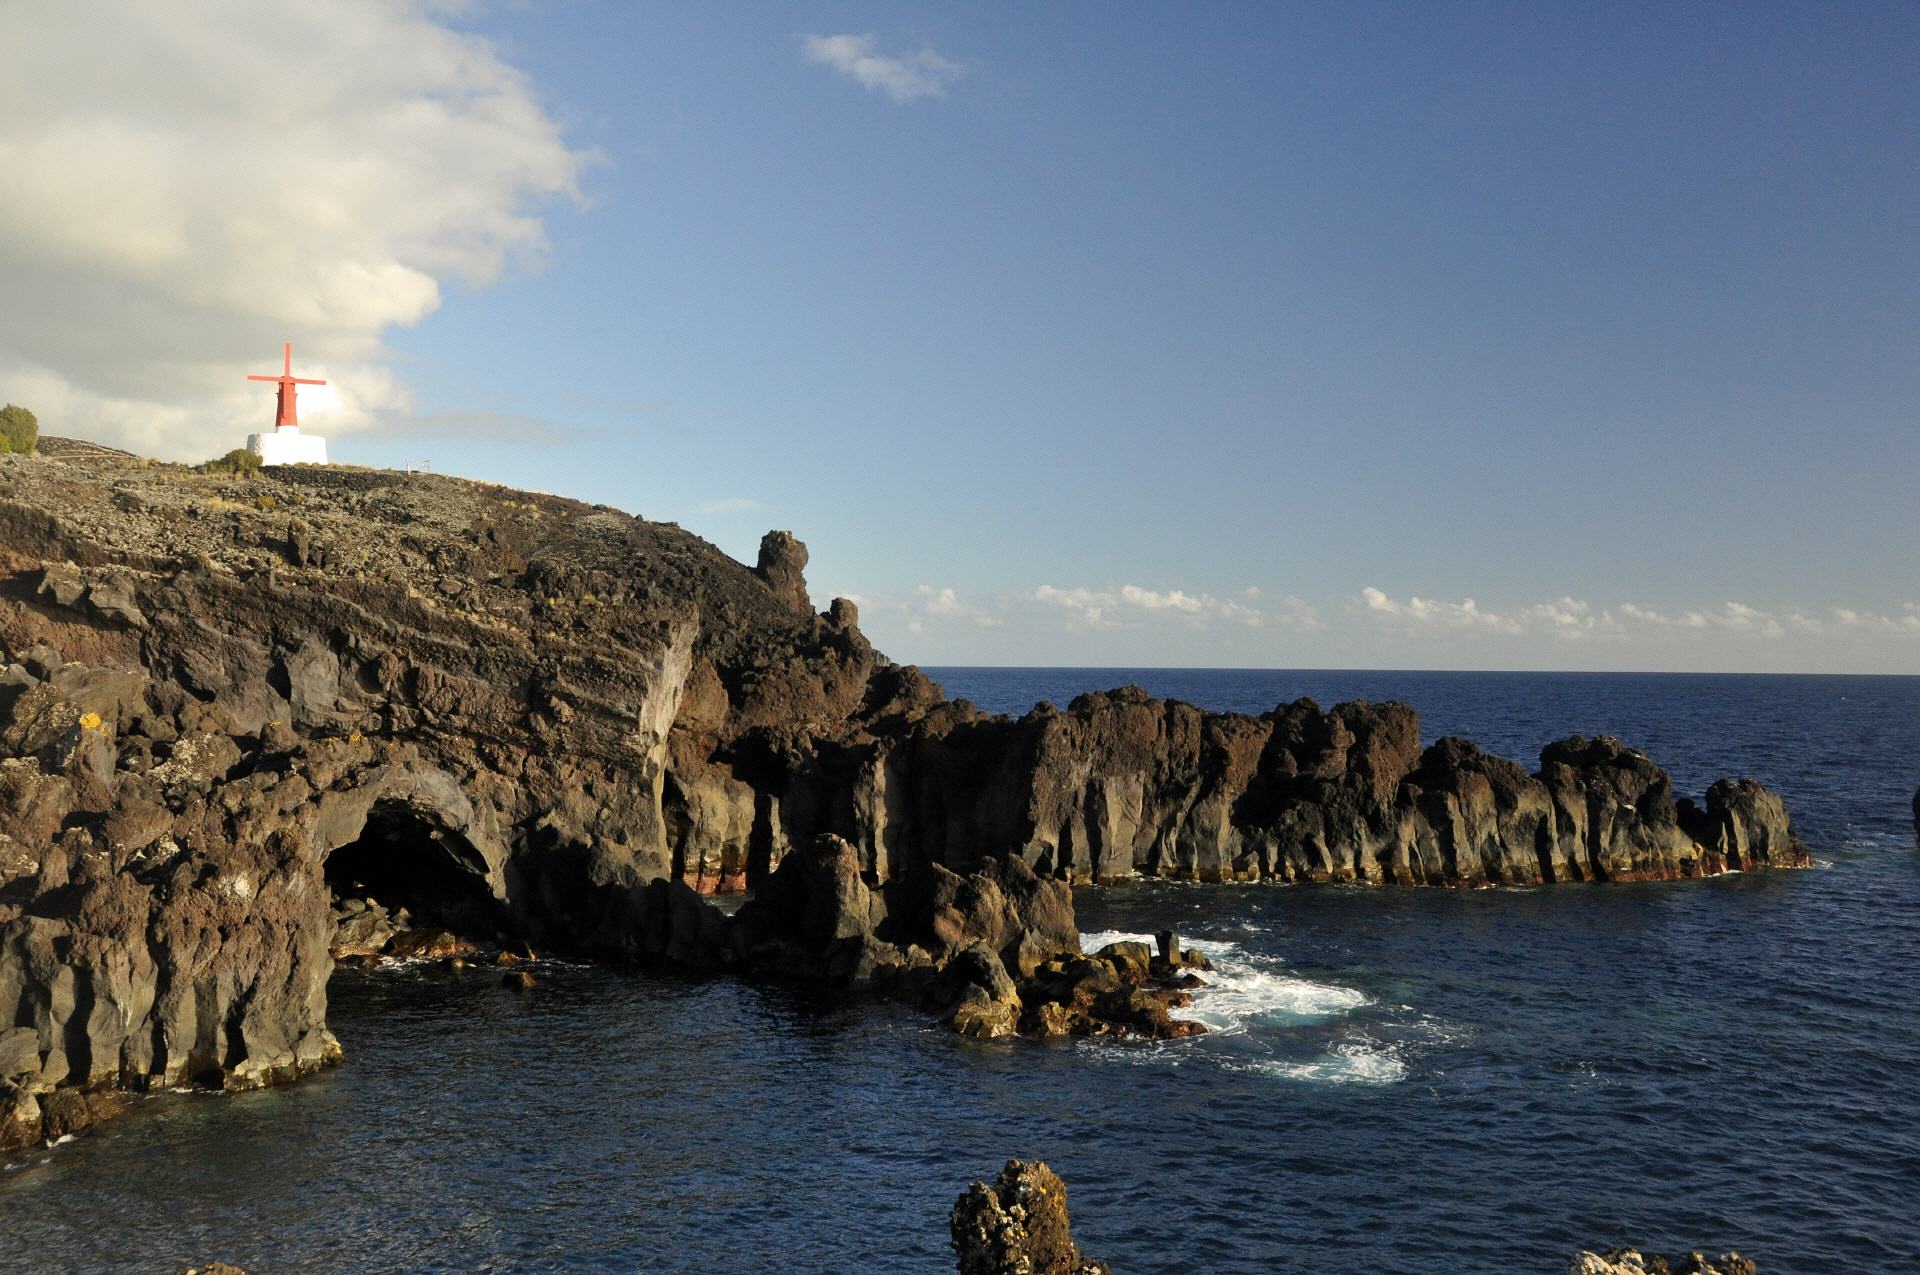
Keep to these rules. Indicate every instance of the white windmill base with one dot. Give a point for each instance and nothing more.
(288, 446)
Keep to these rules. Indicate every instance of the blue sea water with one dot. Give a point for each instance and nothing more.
(1427, 1081)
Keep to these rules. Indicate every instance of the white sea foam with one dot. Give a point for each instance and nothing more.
(1239, 994)
(1354, 1061)
(1094, 940)
(1245, 988)
(1254, 997)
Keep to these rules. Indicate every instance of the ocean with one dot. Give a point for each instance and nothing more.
(1422, 1081)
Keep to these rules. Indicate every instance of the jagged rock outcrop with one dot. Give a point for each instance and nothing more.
(229, 708)
(783, 565)
(1018, 1225)
(1122, 784)
(1627, 1261)
(991, 953)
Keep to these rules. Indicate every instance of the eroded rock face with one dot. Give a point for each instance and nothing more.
(816, 916)
(1018, 1225)
(229, 708)
(1122, 784)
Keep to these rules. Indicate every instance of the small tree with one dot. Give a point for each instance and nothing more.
(18, 429)
(240, 462)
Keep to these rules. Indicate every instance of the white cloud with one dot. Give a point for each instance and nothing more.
(1465, 614)
(927, 605)
(1085, 605)
(945, 604)
(1103, 608)
(1129, 606)
(930, 603)
(902, 77)
(188, 185)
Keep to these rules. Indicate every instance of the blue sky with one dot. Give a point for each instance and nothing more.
(1247, 334)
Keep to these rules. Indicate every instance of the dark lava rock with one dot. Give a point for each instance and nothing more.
(975, 996)
(517, 720)
(1018, 1225)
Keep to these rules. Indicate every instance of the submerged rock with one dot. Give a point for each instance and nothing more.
(1018, 1225)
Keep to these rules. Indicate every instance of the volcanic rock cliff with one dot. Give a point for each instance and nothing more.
(223, 701)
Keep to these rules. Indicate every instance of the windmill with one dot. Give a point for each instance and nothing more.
(287, 445)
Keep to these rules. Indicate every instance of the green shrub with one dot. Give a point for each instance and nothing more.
(240, 463)
(18, 429)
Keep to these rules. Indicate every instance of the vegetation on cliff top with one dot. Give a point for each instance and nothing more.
(18, 429)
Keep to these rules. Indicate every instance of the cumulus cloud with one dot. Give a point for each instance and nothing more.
(1087, 606)
(188, 185)
(903, 77)
(944, 603)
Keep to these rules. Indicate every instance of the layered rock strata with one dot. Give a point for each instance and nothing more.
(230, 708)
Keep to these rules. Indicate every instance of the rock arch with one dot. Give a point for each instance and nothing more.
(412, 838)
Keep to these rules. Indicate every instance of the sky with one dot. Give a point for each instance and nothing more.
(1501, 336)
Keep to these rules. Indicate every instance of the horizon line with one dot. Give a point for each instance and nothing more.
(1258, 668)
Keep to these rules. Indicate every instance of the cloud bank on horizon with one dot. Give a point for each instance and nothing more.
(188, 185)
(1117, 625)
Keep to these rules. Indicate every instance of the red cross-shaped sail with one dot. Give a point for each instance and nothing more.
(288, 414)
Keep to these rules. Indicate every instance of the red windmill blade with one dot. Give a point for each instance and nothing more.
(289, 414)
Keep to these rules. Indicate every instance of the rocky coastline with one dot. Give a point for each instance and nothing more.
(245, 723)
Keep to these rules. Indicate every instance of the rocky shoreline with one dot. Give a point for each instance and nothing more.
(239, 715)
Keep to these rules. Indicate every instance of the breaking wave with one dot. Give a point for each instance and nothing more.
(1251, 994)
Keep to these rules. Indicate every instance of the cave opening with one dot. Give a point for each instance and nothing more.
(404, 862)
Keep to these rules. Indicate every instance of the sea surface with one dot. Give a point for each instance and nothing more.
(1430, 1081)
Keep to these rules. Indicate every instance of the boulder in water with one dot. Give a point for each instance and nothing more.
(1018, 1226)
